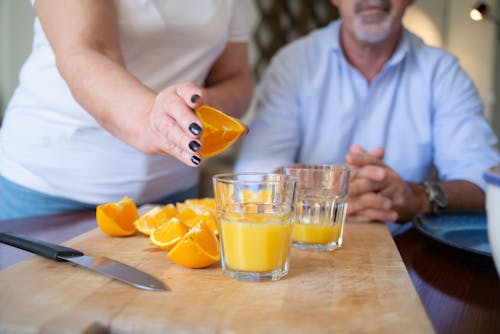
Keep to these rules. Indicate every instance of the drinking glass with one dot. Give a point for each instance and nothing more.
(321, 205)
(255, 215)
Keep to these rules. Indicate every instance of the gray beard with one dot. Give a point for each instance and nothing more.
(372, 29)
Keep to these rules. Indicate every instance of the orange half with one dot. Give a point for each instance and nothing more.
(117, 218)
(220, 131)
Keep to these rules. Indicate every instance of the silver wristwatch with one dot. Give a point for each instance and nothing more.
(436, 195)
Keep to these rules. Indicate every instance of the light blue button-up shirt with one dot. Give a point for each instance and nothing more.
(422, 108)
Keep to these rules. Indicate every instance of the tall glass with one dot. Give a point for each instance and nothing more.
(255, 213)
(321, 205)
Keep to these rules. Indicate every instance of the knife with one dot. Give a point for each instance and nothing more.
(100, 264)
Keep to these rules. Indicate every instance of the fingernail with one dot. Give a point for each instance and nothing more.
(387, 205)
(194, 146)
(195, 98)
(195, 160)
(195, 129)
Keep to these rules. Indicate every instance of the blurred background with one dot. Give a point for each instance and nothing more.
(444, 23)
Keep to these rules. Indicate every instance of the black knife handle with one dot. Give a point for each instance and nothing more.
(43, 248)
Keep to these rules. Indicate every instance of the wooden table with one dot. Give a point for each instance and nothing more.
(459, 296)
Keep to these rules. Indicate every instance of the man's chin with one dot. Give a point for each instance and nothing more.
(372, 32)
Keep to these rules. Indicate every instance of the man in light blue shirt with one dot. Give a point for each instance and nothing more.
(366, 91)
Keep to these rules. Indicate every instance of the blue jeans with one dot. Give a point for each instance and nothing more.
(17, 201)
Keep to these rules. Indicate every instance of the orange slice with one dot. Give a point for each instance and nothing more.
(208, 202)
(187, 212)
(198, 248)
(154, 218)
(117, 219)
(168, 234)
(219, 130)
(206, 217)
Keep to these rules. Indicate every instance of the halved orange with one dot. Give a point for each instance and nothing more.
(117, 218)
(198, 248)
(168, 234)
(154, 218)
(219, 130)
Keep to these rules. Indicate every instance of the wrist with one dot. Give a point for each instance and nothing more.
(423, 204)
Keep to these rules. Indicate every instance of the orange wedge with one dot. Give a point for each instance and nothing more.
(219, 130)
(198, 248)
(117, 219)
(154, 218)
(186, 212)
(168, 234)
(206, 217)
(208, 202)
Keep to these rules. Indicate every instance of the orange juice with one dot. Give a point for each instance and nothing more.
(316, 233)
(254, 241)
(319, 223)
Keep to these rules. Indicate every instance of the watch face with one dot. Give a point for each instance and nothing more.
(441, 198)
(436, 194)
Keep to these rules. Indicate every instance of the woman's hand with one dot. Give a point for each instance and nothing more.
(88, 57)
(171, 127)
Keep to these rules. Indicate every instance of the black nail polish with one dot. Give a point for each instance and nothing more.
(195, 129)
(195, 160)
(194, 146)
(195, 98)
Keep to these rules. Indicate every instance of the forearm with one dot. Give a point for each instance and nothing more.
(106, 90)
(461, 195)
(232, 94)
(88, 57)
(229, 83)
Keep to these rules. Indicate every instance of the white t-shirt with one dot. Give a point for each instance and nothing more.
(49, 143)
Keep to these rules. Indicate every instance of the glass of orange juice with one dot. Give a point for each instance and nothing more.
(255, 213)
(321, 205)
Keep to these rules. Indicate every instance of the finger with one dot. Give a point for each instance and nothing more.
(378, 152)
(362, 159)
(188, 158)
(374, 215)
(369, 200)
(375, 173)
(192, 95)
(173, 140)
(174, 106)
(361, 186)
(357, 219)
(355, 148)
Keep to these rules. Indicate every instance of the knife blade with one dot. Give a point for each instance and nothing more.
(99, 264)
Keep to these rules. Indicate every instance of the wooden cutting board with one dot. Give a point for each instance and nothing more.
(362, 288)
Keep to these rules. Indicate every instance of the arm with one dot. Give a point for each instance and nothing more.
(274, 137)
(229, 84)
(88, 56)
